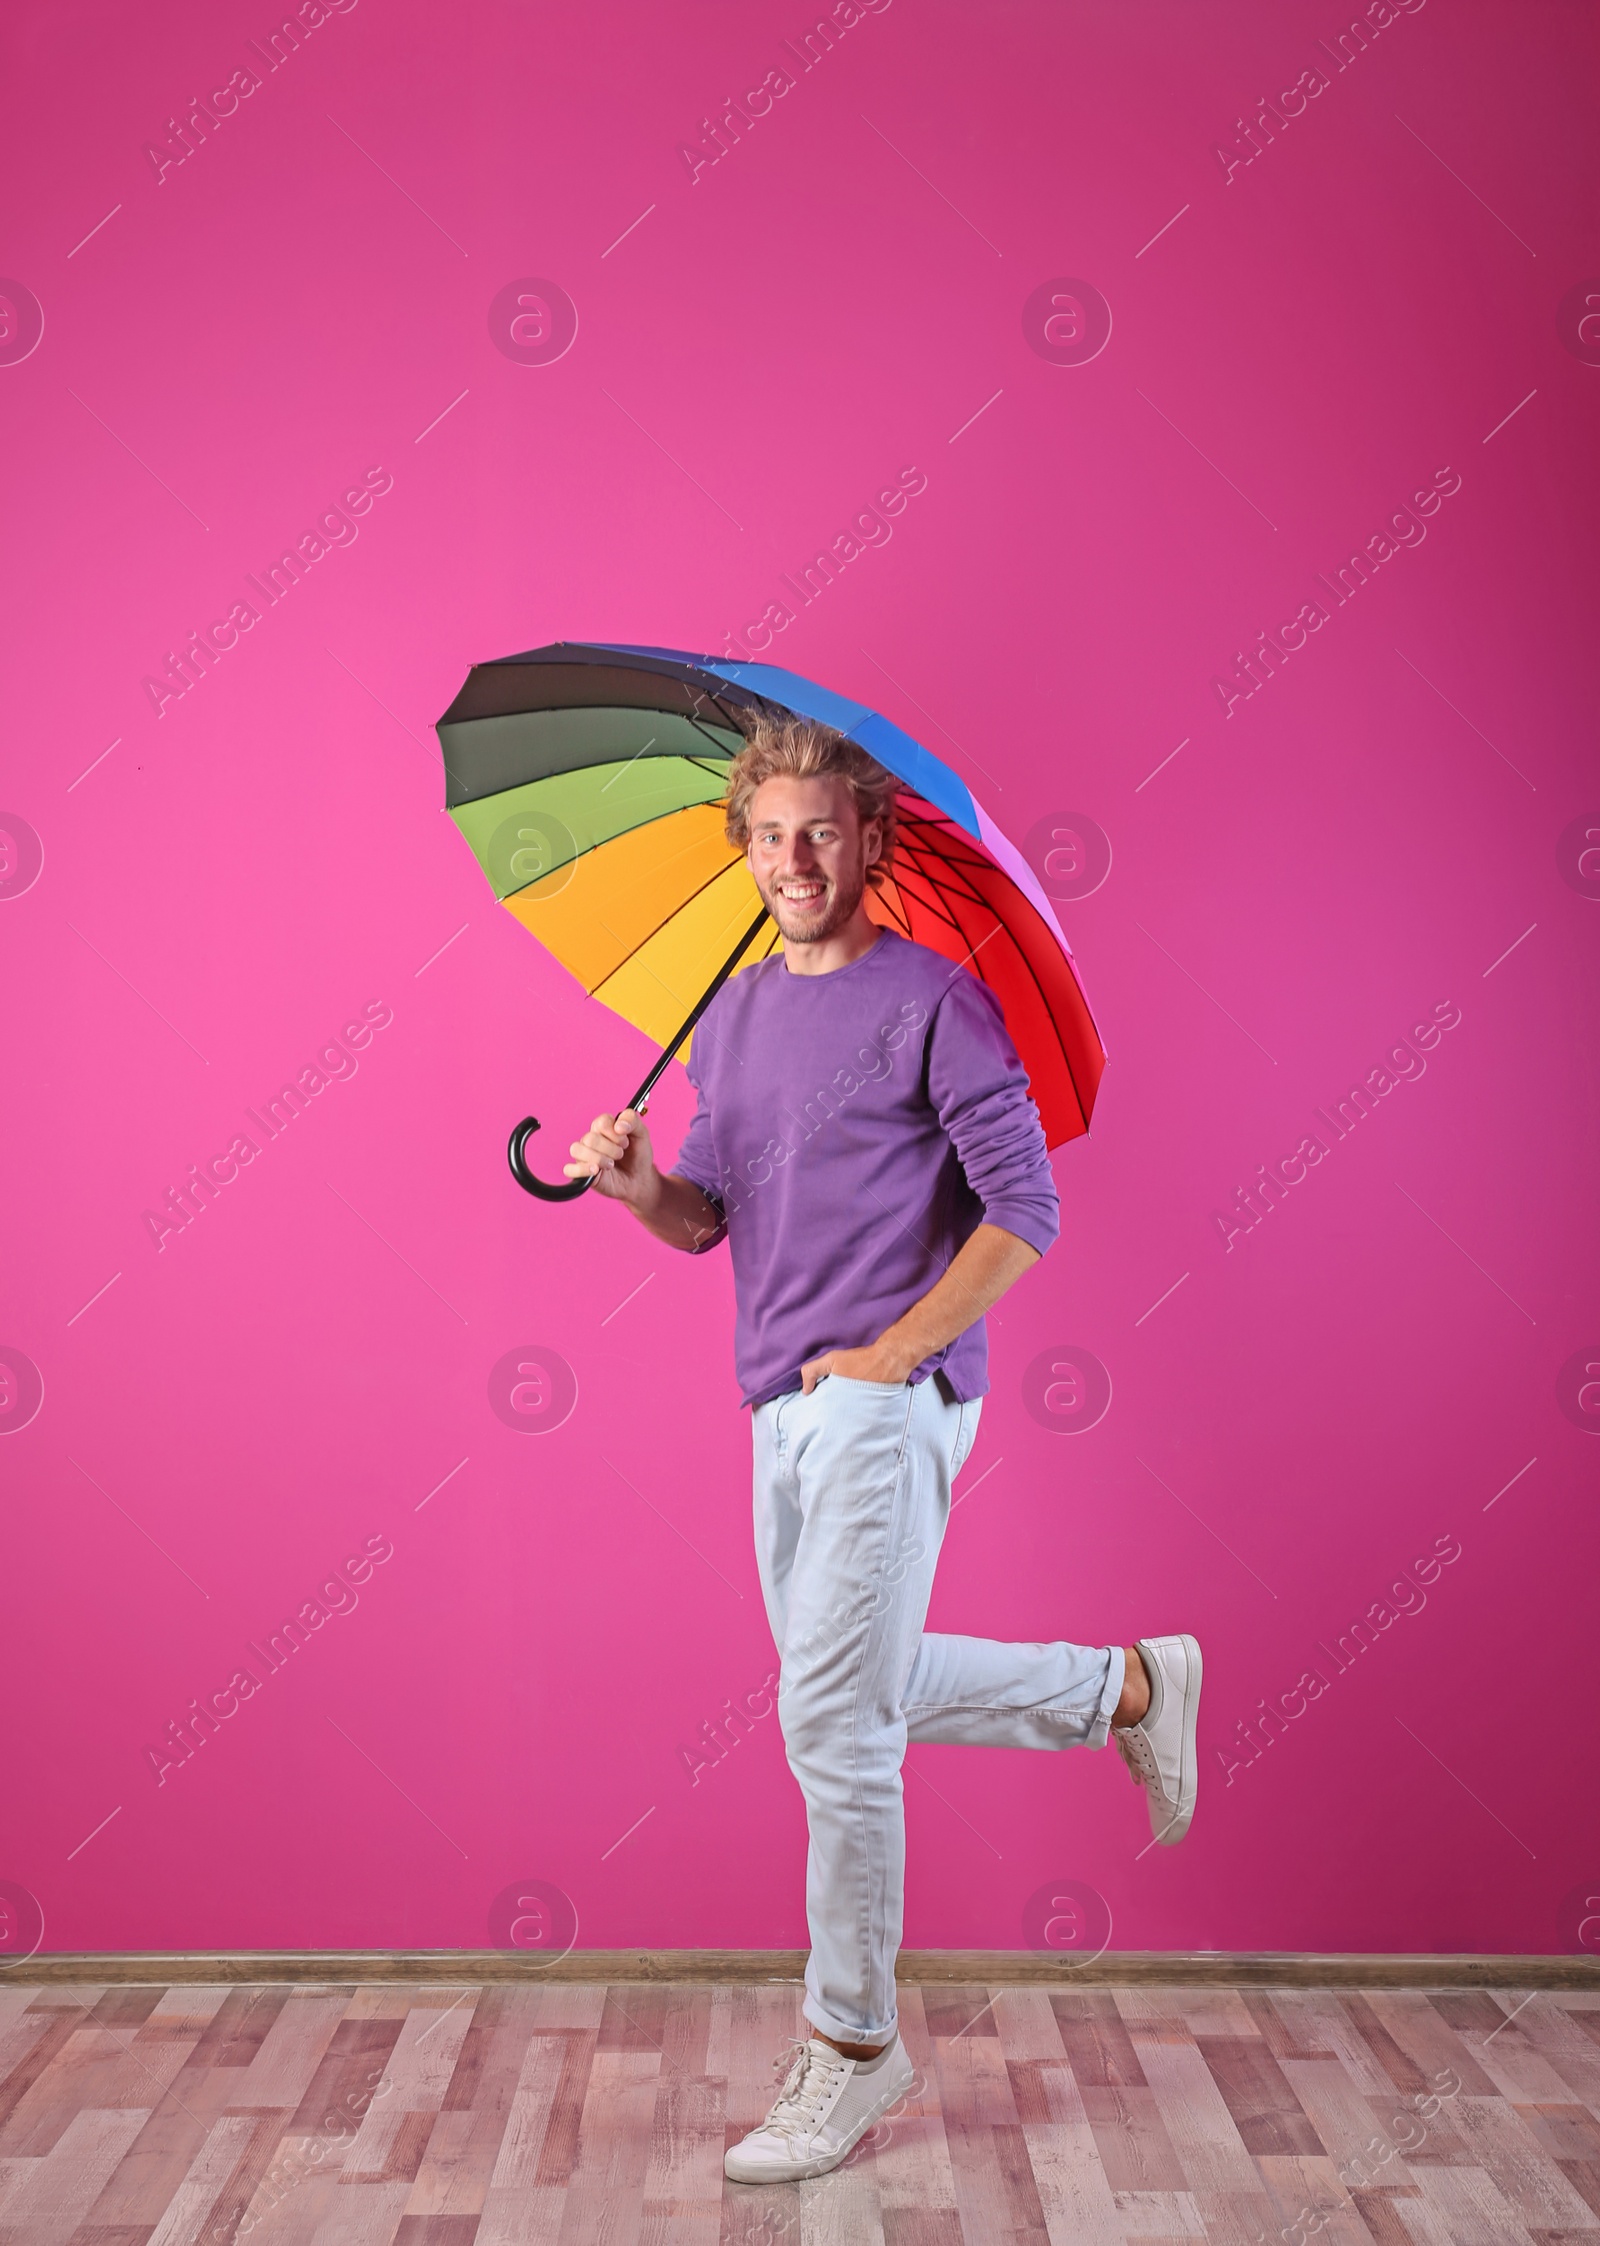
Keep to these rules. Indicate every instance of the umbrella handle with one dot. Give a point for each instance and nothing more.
(525, 1177)
(524, 1131)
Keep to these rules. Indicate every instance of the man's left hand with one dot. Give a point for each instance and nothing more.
(876, 1362)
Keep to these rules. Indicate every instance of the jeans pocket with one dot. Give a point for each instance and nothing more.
(966, 1435)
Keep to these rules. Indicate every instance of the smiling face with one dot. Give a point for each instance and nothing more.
(809, 853)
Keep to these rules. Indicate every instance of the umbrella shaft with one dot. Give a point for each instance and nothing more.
(716, 983)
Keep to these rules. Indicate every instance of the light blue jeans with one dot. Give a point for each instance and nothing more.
(852, 1494)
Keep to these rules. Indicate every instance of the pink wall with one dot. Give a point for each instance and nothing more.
(1390, 291)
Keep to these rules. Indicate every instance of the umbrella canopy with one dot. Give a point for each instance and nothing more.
(588, 780)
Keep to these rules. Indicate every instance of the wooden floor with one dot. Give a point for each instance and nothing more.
(581, 2116)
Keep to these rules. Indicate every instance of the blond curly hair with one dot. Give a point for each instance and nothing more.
(800, 748)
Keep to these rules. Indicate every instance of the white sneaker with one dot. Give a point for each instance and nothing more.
(825, 2106)
(1159, 1750)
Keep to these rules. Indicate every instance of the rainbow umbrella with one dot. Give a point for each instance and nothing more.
(588, 780)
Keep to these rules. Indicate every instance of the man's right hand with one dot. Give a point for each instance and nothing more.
(615, 1152)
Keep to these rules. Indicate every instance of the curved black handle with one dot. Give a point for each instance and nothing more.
(525, 1177)
(529, 1124)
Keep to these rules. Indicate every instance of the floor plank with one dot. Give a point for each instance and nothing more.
(1511, 2155)
(188, 2208)
(1199, 2122)
(1268, 2115)
(48, 2205)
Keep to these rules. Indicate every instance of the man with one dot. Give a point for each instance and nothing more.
(866, 1142)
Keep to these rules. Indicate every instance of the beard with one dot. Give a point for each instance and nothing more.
(825, 918)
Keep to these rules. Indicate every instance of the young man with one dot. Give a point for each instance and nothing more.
(866, 1143)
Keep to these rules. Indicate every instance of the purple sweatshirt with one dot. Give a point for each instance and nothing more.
(855, 1129)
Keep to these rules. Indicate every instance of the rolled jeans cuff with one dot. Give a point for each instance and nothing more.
(845, 2031)
(1100, 1730)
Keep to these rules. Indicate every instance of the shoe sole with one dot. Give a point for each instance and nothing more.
(797, 2171)
(1188, 1769)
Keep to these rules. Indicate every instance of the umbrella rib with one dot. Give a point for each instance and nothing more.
(935, 903)
(589, 848)
(1032, 973)
(922, 854)
(971, 894)
(1027, 964)
(703, 693)
(711, 737)
(938, 873)
(901, 917)
(935, 909)
(682, 905)
(917, 839)
(1050, 1017)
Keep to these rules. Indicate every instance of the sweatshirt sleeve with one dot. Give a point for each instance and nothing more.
(697, 1158)
(979, 1088)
